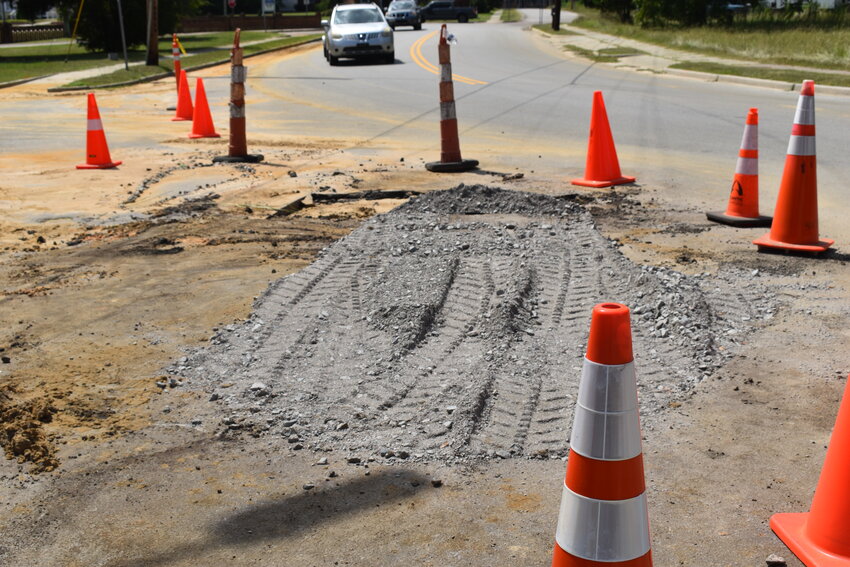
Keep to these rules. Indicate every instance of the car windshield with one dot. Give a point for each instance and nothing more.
(357, 16)
(402, 6)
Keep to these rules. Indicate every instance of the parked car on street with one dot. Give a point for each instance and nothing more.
(448, 10)
(404, 13)
(357, 31)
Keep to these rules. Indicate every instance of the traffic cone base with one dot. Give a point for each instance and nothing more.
(740, 222)
(816, 247)
(791, 530)
(452, 166)
(109, 165)
(599, 184)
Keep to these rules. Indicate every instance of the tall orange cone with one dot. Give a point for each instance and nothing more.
(202, 124)
(184, 100)
(603, 519)
(743, 208)
(821, 537)
(97, 152)
(795, 220)
(450, 158)
(175, 57)
(602, 168)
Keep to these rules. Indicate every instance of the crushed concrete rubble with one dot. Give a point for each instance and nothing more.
(453, 329)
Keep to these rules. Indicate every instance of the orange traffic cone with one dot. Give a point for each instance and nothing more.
(603, 519)
(602, 168)
(821, 537)
(184, 100)
(202, 124)
(97, 152)
(795, 220)
(743, 208)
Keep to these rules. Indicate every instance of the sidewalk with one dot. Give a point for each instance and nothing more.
(660, 59)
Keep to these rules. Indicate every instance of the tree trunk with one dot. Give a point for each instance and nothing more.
(153, 33)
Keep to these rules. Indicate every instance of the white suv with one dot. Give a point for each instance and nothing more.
(357, 30)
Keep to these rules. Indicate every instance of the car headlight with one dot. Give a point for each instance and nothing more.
(386, 32)
(336, 35)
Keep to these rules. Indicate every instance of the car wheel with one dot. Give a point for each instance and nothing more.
(463, 18)
(389, 58)
(333, 60)
(418, 26)
(325, 51)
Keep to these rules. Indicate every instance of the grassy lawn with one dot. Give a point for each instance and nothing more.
(510, 15)
(607, 55)
(35, 61)
(824, 47)
(221, 54)
(481, 17)
(786, 75)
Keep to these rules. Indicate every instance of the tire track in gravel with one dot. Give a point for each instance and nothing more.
(455, 328)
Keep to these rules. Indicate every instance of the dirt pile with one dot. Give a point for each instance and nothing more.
(22, 434)
(453, 328)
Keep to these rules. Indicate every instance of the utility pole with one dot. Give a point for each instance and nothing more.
(153, 33)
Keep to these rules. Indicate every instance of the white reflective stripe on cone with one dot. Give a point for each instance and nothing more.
(805, 110)
(750, 141)
(237, 111)
(801, 146)
(607, 387)
(447, 110)
(94, 124)
(603, 530)
(238, 74)
(747, 166)
(446, 73)
(606, 436)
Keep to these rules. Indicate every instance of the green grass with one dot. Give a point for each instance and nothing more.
(607, 55)
(509, 15)
(481, 17)
(826, 47)
(547, 28)
(34, 61)
(24, 62)
(787, 75)
(221, 54)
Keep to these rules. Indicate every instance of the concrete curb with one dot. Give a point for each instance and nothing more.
(22, 81)
(168, 74)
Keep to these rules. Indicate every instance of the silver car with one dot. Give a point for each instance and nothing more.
(355, 31)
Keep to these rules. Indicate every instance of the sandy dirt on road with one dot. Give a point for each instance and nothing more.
(109, 278)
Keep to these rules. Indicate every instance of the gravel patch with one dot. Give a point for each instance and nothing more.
(453, 328)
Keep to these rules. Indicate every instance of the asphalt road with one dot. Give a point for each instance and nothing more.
(522, 105)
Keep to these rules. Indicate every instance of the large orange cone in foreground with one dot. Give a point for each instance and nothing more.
(743, 208)
(603, 519)
(821, 537)
(184, 100)
(602, 168)
(795, 220)
(202, 124)
(97, 152)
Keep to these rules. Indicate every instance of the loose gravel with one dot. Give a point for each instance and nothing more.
(453, 328)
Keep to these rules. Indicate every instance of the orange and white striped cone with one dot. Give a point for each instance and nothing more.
(450, 158)
(795, 219)
(603, 519)
(743, 208)
(175, 56)
(97, 152)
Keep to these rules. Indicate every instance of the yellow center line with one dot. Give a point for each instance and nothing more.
(419, 59)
